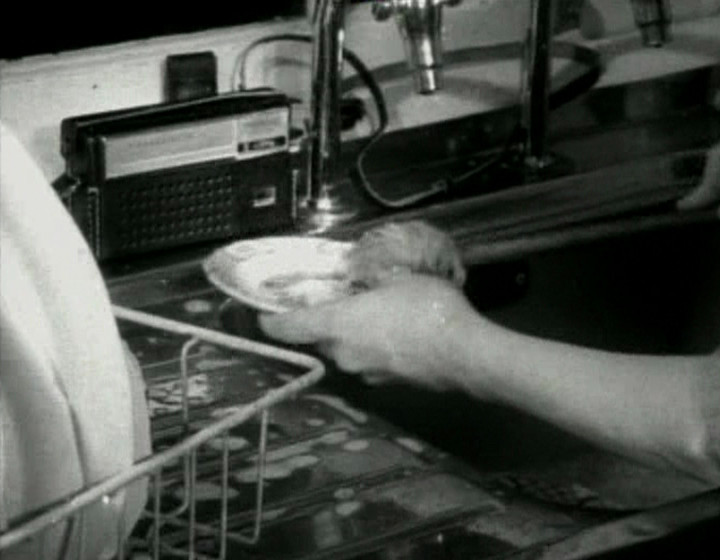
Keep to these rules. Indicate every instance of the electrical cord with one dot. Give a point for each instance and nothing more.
(369, 81)
(450, 183)
(563, 95)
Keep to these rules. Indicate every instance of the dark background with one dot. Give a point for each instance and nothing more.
(35, 30)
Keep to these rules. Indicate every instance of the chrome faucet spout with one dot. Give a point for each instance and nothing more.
(653, 18)
(324, 155)
(324, 206)
(420, 25)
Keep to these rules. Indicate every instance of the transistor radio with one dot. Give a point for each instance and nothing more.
(167, 175)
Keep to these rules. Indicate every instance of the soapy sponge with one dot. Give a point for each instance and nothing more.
(397, 249)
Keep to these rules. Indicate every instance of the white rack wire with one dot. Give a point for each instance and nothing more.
(185, 451)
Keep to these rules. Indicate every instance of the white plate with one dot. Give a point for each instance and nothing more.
(278, 274)
(72, 411)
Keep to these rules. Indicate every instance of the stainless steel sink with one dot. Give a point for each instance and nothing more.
(655, 293)
(647, 291)
(650, 293)
(642, 293)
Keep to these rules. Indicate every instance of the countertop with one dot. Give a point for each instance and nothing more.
(343, 481)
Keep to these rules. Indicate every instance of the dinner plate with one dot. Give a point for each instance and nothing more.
(71, 414)
(278, 274)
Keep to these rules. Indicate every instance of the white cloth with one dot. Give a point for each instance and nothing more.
(66, 401)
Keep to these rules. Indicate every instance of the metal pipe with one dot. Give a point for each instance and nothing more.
(536, 83)
(420, 24)
(328, 33)
(652, 18)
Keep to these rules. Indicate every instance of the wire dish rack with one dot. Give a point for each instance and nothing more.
(184, 452)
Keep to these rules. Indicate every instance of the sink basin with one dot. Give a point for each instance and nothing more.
(644, 293)
(650, 293)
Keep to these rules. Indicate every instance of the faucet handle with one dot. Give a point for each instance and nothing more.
(420, 25)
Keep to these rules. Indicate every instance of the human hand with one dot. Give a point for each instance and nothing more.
(395, 249)
(406, 329)
(707, 193)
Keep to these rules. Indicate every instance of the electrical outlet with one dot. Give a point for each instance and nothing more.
(190, 76)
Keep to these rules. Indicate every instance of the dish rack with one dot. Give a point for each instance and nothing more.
(184, 451)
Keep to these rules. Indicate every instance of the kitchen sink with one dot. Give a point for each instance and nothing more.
(652, 293)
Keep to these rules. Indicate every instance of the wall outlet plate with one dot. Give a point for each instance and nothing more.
(190, 76)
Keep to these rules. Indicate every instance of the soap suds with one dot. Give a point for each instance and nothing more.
(341, 406)
(412, 444)
(233, 443)
(225, 411)
(272, 514)
(277, 470)
(282, 462)
(356, 445)
(346, 509)
(208, 364)
(197, 306)
(166, 397)
(344, 494)
(303, 461)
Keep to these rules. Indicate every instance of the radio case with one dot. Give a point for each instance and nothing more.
(169, 175)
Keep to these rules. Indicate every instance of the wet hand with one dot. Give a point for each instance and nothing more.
(402, 330)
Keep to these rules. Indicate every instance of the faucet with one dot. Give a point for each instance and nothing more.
(420, 24)
(652, 17)
(535, 86)
(323, 207)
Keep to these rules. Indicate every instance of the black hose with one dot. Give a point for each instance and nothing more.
(563, 95)
(369, 81)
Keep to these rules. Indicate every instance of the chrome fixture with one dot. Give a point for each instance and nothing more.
(323, 207)
(420, 23)
(535, 87)
(652, 18)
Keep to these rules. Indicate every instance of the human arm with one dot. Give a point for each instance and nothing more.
(661, 410)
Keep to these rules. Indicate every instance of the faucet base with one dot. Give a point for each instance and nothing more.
(522, 169)
(324, 212)
(535, 164)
